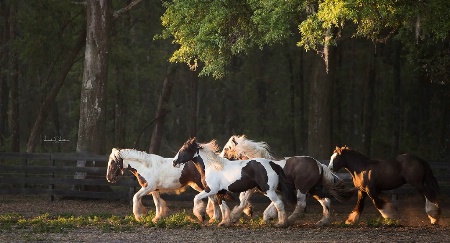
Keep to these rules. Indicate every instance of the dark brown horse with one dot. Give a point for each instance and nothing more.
(371, 177)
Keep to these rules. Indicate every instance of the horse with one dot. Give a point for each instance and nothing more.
(308, 175)
(221, 174)
(372, 177)
(156, 175)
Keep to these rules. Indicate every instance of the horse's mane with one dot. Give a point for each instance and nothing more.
(346, 149)
(136, 155)
(210, 149)
(251, 149)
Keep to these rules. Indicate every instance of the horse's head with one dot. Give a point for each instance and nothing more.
(115, 166)
(187, 152)
(336, 160)
(230, 151)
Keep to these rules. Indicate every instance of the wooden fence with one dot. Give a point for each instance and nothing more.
(53, 174)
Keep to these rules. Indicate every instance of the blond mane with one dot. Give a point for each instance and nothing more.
(210, 149)
(249, 148)
(136, 155)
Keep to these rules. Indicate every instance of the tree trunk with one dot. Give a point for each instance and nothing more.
(51, 96)
(14, 124)
(293, 109)
(193, 106)
(319, 118)
(3, 77)
(369, 95)
(396, 116)
(155, 141)
(91, 130)
(120, 109)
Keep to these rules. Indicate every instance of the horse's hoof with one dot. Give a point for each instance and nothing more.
(349, 222)
(282, 225)
(249, 211)
(155, 220)
(224, 224)
(322, 223)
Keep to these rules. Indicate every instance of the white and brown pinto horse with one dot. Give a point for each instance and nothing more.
(221, 174)
(307, 174)
(155, 175)
(372, 177)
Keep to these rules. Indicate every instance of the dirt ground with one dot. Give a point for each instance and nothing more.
(414, 224)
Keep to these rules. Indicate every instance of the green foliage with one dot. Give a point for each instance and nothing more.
(381, 222)
(47, 223)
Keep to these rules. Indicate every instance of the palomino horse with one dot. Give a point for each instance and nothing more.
(371, 177)
(308, 175)
(236, 176)
(155, 175)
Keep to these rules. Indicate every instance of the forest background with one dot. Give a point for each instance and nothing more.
(302, 75)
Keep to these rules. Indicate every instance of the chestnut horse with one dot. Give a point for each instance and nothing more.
(371, 177)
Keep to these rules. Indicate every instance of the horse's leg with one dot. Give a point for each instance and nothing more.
(282, 219)
(138, 208)
(226, 218)
(326, 203)
(199, 208)
(384, 207)
(243, 198)
(270, 212)
(433, 211)
(299, 207)
(357, 210)
(431, 203)
(160, 205)
(248, 210)
(213, 208)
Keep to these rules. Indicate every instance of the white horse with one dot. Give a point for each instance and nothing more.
(307, 174)
(220, 175)
(155, 175)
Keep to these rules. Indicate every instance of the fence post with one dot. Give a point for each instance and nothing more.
(51, 186)
(25, 174)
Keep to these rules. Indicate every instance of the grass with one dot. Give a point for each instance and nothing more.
(381, 222)
(60, 223)
(107, 222)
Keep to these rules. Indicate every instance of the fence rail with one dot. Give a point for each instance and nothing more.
(53, 174)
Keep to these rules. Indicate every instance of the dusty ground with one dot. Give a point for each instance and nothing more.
(414, 223)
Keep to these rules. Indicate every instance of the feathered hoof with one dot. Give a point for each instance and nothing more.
(249, 211)
(224, 224)
(349, 222)
(433, 221)
(282, 225)
(322, 223)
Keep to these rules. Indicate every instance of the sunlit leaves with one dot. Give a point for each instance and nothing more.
(212, 31)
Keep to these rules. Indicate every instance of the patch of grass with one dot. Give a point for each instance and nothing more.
(7, 221)
(107, 222)
(253, 222)
(381, 222)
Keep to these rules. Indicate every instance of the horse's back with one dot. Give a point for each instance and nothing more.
(304, 171)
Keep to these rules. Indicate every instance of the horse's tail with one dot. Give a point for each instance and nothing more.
(286, 186)
(335, 184)
(431, 181)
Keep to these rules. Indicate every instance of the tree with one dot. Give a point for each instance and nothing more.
(91, 131)
(213, 32)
